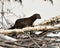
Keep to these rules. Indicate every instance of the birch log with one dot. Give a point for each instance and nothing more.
(52, 21)
(27, 29)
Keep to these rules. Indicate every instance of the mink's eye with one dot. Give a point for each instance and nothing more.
(38, 17)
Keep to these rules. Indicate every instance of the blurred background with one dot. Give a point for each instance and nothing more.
(14, 9)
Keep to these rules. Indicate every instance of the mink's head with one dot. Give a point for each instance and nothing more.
(37, 16)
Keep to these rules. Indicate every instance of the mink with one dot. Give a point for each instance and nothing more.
(25, 22)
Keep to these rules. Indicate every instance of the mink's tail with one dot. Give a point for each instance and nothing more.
(13, 27)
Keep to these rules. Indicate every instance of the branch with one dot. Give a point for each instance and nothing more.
(7, 38)
(28, 29)
(52, 21)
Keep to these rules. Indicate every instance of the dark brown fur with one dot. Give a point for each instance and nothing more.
(24, 22)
